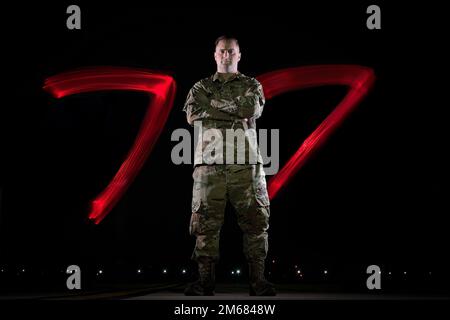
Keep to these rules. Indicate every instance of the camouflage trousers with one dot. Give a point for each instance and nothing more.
(244, 186)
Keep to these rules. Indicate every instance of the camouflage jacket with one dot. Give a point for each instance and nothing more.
(218, 108)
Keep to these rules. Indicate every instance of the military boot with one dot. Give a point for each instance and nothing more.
(205, 285)
(259, 286)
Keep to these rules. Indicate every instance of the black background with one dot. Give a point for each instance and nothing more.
(374, 194)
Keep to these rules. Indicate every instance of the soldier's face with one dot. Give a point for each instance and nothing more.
(227, 54)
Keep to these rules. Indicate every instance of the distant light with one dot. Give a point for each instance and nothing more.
(100, 271)
(238, 271)
(325, 271)
(164, 271)
(183, 271)
(23, 270)
(273, 261)
(404, 272)
(295, 266)
(298, 272)
(390, 273)
(429, 273)
(232, 272)
(379, 272)
(139, 271)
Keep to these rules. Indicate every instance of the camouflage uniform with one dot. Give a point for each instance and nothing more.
(221, 105)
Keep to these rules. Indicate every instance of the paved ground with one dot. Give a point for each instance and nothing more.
(240, 292)
(174, 291)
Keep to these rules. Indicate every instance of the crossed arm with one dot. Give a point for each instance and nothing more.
(199, 105)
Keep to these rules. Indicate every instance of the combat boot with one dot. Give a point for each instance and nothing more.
(205, 285)
(259, 286)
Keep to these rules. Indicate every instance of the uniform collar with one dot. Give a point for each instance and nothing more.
(237, 75)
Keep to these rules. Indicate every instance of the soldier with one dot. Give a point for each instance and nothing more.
(228, 101)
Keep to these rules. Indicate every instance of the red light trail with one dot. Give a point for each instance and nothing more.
(162, 87)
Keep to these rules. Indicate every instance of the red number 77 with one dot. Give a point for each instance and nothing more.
(162, 88)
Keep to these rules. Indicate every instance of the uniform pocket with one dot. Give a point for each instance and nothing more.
(196, 191)
(194, 225)
(196, 203)
(262, 196)
(196, 197)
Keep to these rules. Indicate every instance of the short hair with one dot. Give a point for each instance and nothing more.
(226, 38)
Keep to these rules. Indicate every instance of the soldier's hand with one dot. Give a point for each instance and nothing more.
(224, 105)
(219, 103)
